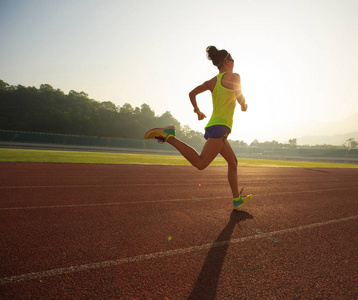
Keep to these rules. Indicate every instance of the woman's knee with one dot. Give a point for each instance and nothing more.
(200, 166)
(233, 163)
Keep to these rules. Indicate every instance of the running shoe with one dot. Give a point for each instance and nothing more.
(241, 201)
(161, 134)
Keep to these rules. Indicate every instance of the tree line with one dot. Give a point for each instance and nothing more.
(49, 110)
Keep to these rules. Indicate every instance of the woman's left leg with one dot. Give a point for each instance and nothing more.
(210, 150)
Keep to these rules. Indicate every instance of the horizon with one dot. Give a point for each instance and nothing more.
(314, 138)
(315, 132)
(297, 60)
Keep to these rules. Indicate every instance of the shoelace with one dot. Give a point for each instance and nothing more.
(160, 139)
(241, 191)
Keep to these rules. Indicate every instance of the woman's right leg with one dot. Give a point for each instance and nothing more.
(211, 149)
(230, 157)
(228, 154)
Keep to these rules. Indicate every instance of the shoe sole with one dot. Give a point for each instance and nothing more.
(161, 128)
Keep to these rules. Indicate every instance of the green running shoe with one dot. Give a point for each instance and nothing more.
(161, 134)
(241, 201)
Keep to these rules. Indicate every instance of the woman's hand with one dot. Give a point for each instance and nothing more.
(244, 107)
(201, 115)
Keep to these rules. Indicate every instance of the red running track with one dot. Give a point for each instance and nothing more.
(90, 231)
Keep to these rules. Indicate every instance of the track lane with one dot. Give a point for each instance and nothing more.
(43, 239)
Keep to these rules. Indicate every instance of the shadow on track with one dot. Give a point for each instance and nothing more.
(207, 282)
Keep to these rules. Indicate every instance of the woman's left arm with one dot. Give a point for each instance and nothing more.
(238, 93)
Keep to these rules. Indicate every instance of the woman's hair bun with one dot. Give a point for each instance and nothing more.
(211, 52)
(216, 56)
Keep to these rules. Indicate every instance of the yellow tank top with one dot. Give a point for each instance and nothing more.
(224, 103)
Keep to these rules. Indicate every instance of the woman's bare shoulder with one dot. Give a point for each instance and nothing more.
(234, 77)
(230, 80)
(211, 83)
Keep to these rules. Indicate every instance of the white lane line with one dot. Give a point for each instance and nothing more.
(314, 191)
(105, 204)
(167, 200)
(156, 255)
(259, 232)
(216, 182)
(92, 185)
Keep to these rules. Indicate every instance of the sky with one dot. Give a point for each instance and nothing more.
(297, 59)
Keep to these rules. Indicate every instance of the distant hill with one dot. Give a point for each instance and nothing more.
(349, 124)
(330, 133)
(338, 139)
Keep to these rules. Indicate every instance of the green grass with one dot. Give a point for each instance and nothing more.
(25, 155)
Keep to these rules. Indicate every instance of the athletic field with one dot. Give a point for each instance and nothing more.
(152, 229)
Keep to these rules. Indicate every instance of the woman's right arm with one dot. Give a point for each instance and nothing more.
(192, 95)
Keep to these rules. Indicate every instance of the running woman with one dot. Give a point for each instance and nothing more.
(225, 89)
